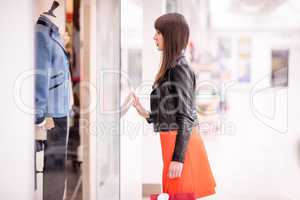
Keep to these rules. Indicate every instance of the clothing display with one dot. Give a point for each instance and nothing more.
(173, 104)
(52, 72)
(52, 99)
(196, 175)
(55, 160)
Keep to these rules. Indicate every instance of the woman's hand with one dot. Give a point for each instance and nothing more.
(175, 169)
(138, 106)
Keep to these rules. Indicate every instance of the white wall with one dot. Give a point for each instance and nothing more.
(16, 138)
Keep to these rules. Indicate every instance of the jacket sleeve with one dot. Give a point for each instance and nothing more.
(42, 68)
(182, 84)
(150, 119)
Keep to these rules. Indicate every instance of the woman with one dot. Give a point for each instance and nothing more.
(173, 114)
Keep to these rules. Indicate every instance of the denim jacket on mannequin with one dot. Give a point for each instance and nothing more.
(52, 76)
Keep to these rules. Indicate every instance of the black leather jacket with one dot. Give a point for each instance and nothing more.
(172, 103)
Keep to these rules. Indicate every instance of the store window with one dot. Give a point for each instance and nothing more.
(58, 140)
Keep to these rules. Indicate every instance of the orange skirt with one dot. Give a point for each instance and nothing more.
(196, 176)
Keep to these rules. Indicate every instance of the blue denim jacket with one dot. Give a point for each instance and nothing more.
(52, 72)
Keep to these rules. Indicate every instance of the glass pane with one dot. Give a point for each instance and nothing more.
(108, 79)
(131, 79)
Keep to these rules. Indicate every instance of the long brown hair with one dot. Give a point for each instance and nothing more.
(175, 32)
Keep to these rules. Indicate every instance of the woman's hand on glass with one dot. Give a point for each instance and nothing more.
(139, 107)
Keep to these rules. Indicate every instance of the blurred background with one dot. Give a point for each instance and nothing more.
(246, 57)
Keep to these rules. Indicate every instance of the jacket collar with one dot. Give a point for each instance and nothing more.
(53, 32)
(49, 23)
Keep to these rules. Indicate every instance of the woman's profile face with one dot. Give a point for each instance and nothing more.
(159, 40)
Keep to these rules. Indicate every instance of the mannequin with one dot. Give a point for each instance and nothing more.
(55, 4)
(52, 99)
(55, 12)
(54, 20)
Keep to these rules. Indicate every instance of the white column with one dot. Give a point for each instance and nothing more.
(16, 130)
(87, 96)
(108, 99)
